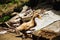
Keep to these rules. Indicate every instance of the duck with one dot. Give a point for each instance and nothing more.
(27, 25)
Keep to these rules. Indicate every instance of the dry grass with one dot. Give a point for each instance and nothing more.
(5, 8)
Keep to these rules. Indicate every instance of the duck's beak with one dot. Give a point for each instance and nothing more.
(39, 16)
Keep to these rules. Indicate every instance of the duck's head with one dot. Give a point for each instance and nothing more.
(36, 14)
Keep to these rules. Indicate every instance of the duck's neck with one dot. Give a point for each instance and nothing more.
(33, 20)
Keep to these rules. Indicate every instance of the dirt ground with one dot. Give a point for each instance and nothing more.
(11, 36)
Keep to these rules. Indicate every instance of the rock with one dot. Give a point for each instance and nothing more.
(3, 32)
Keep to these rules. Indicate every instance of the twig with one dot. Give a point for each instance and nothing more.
(7, 24)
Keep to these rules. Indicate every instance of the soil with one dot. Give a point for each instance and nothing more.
(11, 36)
